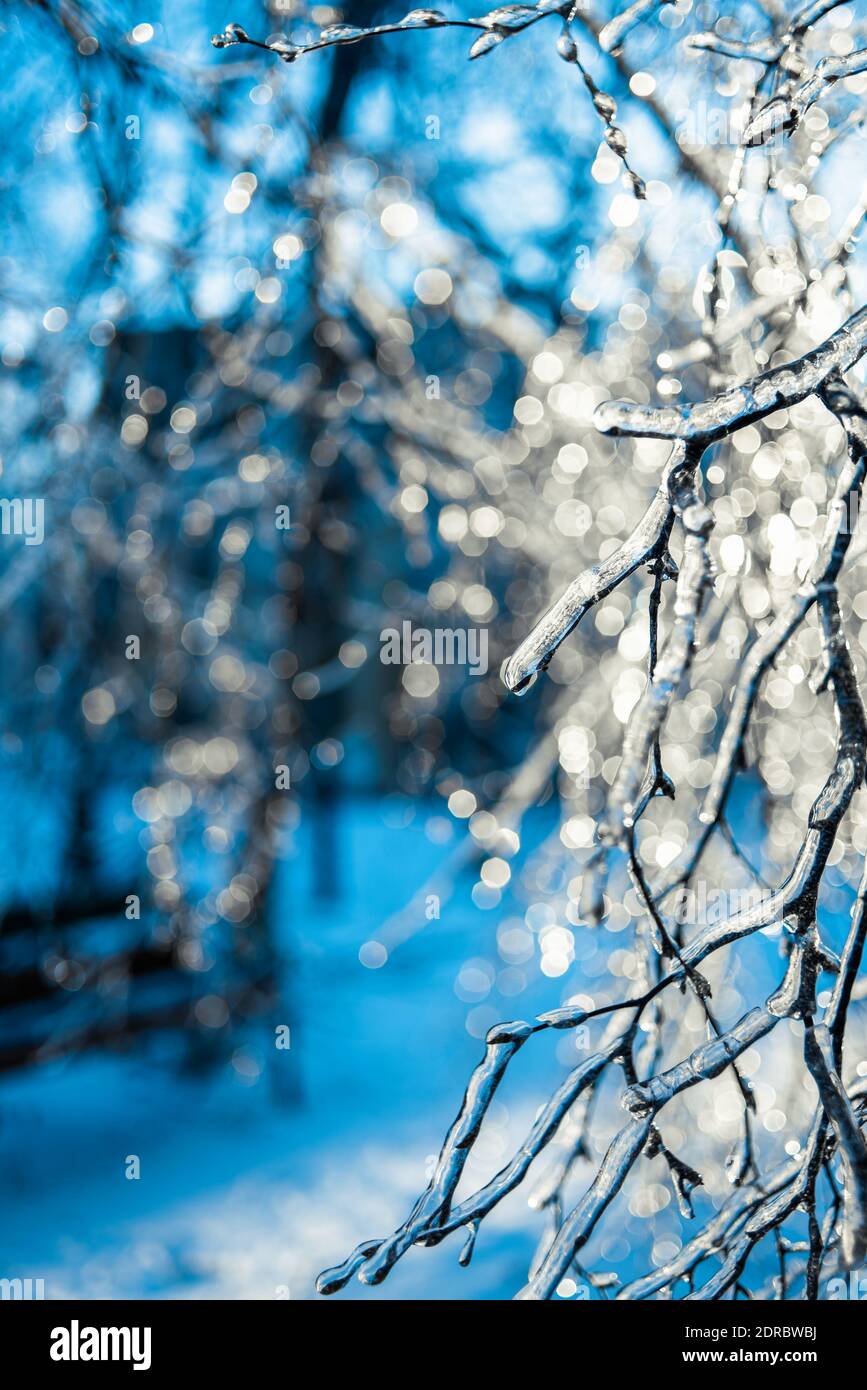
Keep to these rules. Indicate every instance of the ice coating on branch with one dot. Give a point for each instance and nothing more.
(751, 1211)
(433, 1218)
(706, 1062)
(508, 17)
(710, 1238)
(818, 1054)
(570, 1016)
(702, 423)
(341, 33)
(773, 119)
(496, 25)
(423, 19)
(710, 420)
(781, 1191)
(536, 651)
(785, 113)
(810, 13)
(581, 1221)
(759, 50)
(605, 108)
(484, 43)
(502, 1042)
(826, 567)
(545, 1126)
(764, 50)
(651, 710)
(612, 34)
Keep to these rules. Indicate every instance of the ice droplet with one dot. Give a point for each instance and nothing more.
(286, 50)
(567, 47)
(605, 105)
(341, 33)
(422, 19)
(509, 16)
(771, 121)
(484, 43)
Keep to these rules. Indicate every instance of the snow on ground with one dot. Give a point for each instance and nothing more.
(247, 1191)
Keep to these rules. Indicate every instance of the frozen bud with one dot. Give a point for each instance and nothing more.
(637, 184)
(423, 19)
(605, 105)
(567, 47)
(285, 50)
(637, 1100)
(485, 42)
(570, 1016)
(517, 1031)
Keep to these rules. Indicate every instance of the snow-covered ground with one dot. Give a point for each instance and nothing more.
(248, 1190)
